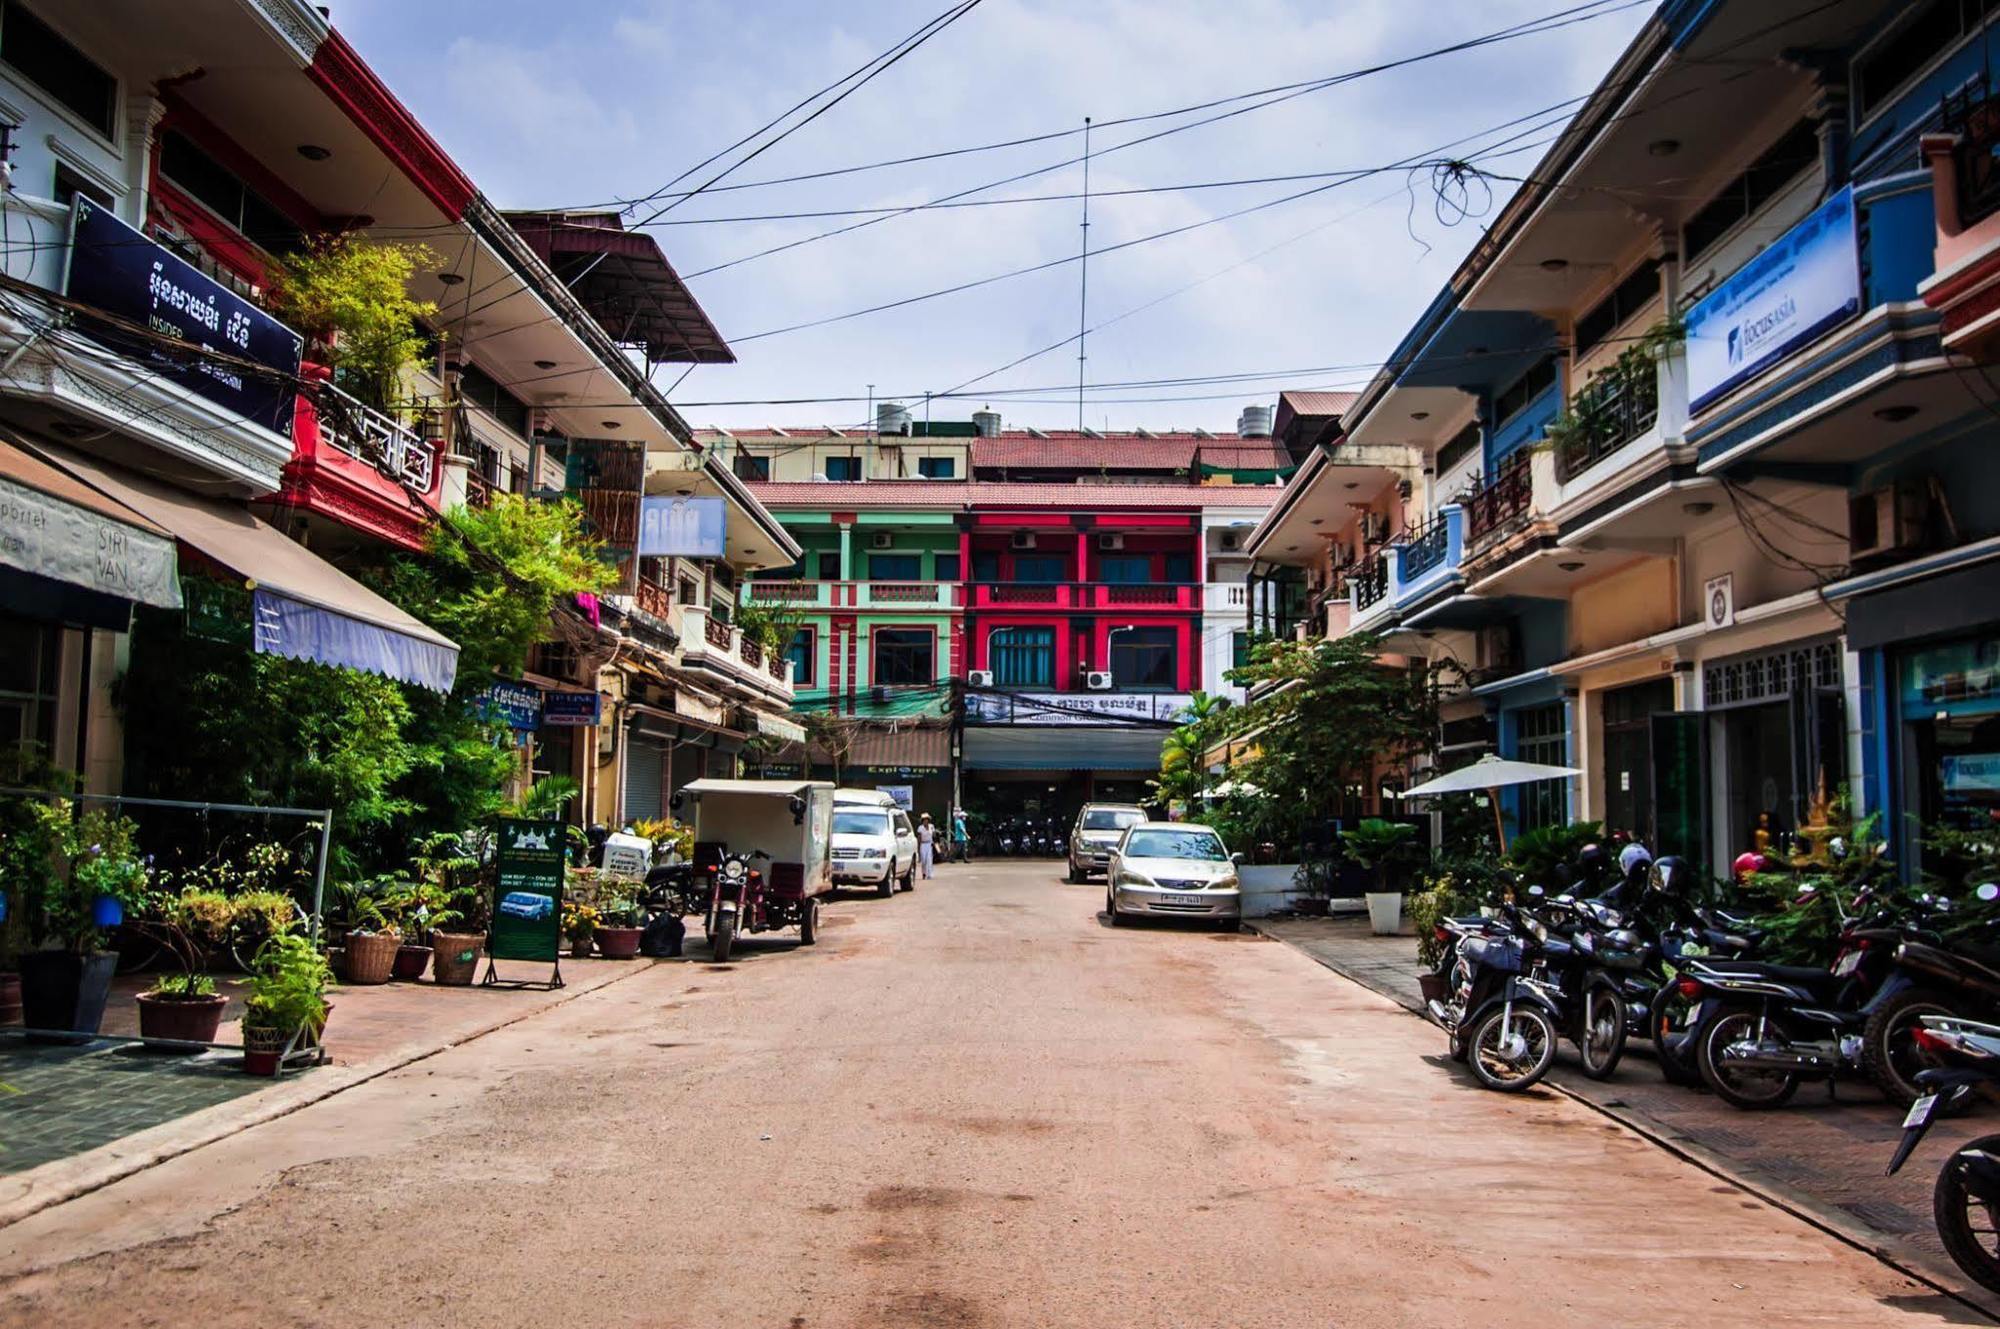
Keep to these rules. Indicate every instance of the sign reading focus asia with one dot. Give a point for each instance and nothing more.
(114, 268)
(1807, 280)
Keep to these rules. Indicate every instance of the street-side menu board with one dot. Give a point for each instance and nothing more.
(527, 894)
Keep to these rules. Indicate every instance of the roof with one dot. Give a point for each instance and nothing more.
(990, 494)
(707, 786)
(1309, 406)
(624, 280)
(1167, 452)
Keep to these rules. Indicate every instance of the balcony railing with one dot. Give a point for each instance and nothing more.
(1501, 502)
(775, 666)
(1424, 547)
(366, 434)
(1086, 595)
(1370, 581)
(479, 490)
(655, 599)
(905, 592)
(1613, 409)
(786, 592)
(711, 644)
(752, 653)
(716, 631)
(1975, 118)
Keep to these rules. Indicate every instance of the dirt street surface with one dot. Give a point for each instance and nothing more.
(972, 1106)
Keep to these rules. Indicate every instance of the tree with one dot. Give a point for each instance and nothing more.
(1182, 775)
(351, 300)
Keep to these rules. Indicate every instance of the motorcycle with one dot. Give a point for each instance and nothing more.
(1503, 1013)
(1967, 1194)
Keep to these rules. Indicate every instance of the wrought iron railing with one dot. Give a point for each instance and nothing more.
(1502, 501)
(1424, 547)
(1371, 581)
(1975, 117)
(366, 434)
(1612, 409)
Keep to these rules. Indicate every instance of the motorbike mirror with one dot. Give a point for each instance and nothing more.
(1988, 891)
(1565, 898)
(678, 801)
(798, 806)
(1239, 859)
(1537, 892)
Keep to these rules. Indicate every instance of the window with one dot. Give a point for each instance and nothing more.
(69, 184)
(905, 657)
(1111, 819)
(28, 675)
(481, 389)
(1239, 650)
(895, 567)
(1180, 566)
(42, 57)
(829, 567)
(1779, 166)
(947, 567)
(1629, 297)
(937, 468)
(1541, 736)
(1522, 393)
(1041, 567)
(843, 468)
(857, 822)
(1143, 658)
(1464, 442)
(220, 190)
(750, 466)
(1125, 569)
(1903, 54)
(1022, 657)
(986, 568)
(804, 655)
(1201, 845)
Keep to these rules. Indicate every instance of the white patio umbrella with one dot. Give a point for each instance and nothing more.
(1491, 773)
(1228, 787)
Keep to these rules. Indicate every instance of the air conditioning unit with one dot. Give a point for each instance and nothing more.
(881, 540)
(1230, 540)
(1110, 542)
(1097, 681)
(1885, 522)
(1022, 540)
(979, 678)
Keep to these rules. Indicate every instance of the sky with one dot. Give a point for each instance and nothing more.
(594, 102)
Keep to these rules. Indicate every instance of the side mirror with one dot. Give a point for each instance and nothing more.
(1537, 892)
(1988, 891)
(678, 801)
(1566, 898)
(1238, 859)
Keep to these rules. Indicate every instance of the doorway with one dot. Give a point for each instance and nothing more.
(1628, 756)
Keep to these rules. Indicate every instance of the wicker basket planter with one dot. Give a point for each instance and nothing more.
(455, 957)
(371, 956)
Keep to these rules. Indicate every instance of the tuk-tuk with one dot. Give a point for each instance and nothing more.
(761, 847)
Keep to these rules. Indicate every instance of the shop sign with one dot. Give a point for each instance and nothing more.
(1808, 280)
(515, 705)
(1962, 677)
(896, 772)
(527, 893)
(573, 709)
(902, 795)
(607, 478)
(114, 268)
(682, 528)
(1075, 708)
(216, 611)
(42, 534)
(782, 770)
(1718, 597)
(1972, 773)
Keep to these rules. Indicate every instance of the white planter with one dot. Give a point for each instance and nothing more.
(1267, 887)
(1385, 912)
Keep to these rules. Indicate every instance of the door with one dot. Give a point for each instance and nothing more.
(642, 779)
(906, 842)
(1679, 783)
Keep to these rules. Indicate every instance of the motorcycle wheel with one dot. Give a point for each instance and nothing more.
(1965, 1223)
(809, 922)
(1600, 1030)
(723, 937)
(1889, 1052)
(1751, 1091)
(1673, 1044)
(1510, 1070)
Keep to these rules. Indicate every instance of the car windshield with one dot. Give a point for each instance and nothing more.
(1111, 819)
(860, 823)
(1175, 844)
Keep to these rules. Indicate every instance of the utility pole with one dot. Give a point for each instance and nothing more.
(1083, 278)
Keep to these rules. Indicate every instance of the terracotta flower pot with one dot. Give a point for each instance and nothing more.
(410, 962)
(457, 957)
(618, 943)
(180, 1019)
(371, 956)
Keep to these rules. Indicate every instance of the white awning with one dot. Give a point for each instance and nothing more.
(54, 526)
(777, 726)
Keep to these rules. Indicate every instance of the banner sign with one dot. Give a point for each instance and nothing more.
(571, 708)
(527, 896)
(607, 477)
(904, 796)
(42, 534)
(1074, 708)
(114, 268)
(515, 705)
(682, 527)
(1807, 281)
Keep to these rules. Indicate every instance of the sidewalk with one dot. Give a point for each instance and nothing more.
(1822, 1160)
(82, 1117)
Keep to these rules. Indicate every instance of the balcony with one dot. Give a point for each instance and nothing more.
(1615, 408)
(1427, 557)
(357, 466)
(713, 648)
(1225, 597)
(1170, 597)
(1501, 504)
(937, 596)
(1368, 586)
(655, 599)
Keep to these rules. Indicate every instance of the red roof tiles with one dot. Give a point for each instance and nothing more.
(992, 494)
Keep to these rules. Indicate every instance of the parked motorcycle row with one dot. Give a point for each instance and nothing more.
(1023, 837)
(1633, 956)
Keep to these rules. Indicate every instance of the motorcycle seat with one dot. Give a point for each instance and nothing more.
(1814, 979)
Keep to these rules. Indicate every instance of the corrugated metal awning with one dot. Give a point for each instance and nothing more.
(1066, 748)
(904, 746)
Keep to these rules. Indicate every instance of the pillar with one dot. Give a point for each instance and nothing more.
(1082, 557)
(142, 116)
(847, 551)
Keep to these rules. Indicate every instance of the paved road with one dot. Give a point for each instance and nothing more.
(972, 1106)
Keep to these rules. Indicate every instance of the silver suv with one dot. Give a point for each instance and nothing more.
(1098, 829)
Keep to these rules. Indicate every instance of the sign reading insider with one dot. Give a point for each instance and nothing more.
(1808, 280)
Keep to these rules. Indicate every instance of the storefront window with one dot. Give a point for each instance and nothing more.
(1541, 736)
(27, 684)
(1951, 704)
(1143, 658)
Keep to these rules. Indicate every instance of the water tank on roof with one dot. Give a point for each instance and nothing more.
(987, 423)
(892, 417)
(1255, 422)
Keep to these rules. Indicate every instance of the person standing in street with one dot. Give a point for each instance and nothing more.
(961, 838)
(926, 844)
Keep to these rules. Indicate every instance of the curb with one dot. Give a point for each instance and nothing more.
(1803, 1207)
(66, 1179)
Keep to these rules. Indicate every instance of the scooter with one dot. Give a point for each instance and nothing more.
(1967, 1194)
(1503, 1013)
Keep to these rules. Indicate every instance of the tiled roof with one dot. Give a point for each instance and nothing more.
(1067, 450)
(1318, 403)
(992, 494)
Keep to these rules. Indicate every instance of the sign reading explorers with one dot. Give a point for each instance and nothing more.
(114, 268)
(1807, 280)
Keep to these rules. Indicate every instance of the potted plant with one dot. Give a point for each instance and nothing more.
(373, 937)
(1382, 849)
(286, 1008)
(89, 873)
(580, 920)
(453, 907)
(621, 919)
(183, 1006)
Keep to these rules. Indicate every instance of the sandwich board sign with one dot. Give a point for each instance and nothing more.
(527, 899)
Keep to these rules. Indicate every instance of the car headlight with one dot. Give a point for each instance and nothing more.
(1228, 883)
(1127, 877)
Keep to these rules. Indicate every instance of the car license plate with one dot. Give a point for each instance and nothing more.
(1182, 899)
(1921, 1112)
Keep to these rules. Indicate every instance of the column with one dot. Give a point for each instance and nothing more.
(142, 116)
(847, 551)
(1082, 557)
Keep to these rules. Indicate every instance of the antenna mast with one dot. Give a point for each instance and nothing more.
(1083, 278)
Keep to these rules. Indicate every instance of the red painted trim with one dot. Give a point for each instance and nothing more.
(345, 78)
(216, 142)
(223, 243)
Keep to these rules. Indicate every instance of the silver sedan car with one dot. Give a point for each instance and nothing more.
(1170, 869)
